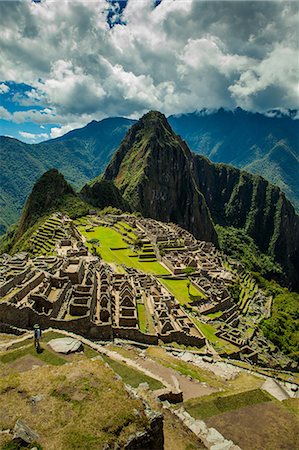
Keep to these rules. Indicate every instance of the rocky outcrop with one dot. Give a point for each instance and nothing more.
(153, 171)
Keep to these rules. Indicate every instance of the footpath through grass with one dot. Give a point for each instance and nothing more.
(45, 356)
(131, 376)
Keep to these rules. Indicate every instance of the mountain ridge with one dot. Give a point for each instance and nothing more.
(83, 153)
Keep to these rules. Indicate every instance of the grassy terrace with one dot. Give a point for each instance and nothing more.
(214, 404)
(179, 289)
(26, 348)
(109, 239)
(210, 333)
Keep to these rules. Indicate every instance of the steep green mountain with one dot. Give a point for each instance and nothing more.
(242, 200)
(153, 171)
(51, 193)
(262, 144)
(158, 175)
(80, 155)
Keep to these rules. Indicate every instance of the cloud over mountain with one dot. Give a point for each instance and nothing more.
(176, 56)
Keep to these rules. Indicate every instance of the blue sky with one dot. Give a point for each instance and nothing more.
(63, 64)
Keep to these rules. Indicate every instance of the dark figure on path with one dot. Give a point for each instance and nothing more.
(37, 337)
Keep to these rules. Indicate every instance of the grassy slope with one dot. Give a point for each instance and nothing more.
(71, 413)
(283, 325)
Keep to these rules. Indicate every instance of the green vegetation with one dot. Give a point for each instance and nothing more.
(210, 334)
(45, 356)
(131, 376)
(18, 444)
(102, 194)
(214, 404)
(83, 406)
(179, 288)
(109, 240)
(238, 245)
(141, 317)
(282, 328)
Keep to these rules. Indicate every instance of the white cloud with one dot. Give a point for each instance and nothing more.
(60, 131)
(33, 136)
(3, 88)
(177, 57)
(4, 114)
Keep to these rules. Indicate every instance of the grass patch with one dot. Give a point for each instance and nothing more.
(84, 407)
(141, 317)
(210, 333)
(46, 337)
(179, 289)
(45, 356)
(131, 376)
(216, 404)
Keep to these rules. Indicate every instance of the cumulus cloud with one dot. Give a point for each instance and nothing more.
(33, 136)
(176, 57)
(3, 88)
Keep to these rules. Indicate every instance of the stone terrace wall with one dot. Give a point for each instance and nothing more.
(182, 338)
(135, 335)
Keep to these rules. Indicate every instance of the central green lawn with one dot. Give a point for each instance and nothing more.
(180, 290)
(131, 376)
(202, 408)
(109, 238)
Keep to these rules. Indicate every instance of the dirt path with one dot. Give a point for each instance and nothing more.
(190, 388)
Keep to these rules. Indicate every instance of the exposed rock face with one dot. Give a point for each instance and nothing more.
(237, 198)
(153, 171)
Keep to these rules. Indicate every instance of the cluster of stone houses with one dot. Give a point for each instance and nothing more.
(76, 291)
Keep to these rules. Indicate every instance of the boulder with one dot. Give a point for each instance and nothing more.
(23, 432)
(65, 345)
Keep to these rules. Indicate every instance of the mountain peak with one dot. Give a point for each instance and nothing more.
(153, 171)
(50, 187)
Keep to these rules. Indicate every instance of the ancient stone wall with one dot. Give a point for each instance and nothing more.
(182, 338)
(135, 335)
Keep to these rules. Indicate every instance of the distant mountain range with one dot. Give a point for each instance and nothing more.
(266, 145)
